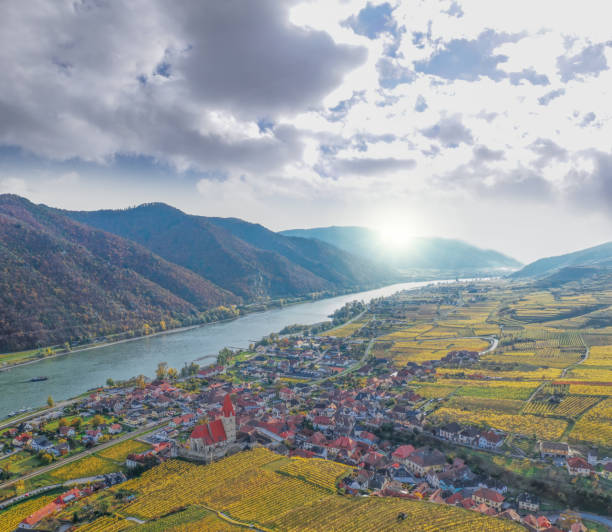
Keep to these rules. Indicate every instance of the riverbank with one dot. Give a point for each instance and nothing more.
(244, 310)
(69, 376)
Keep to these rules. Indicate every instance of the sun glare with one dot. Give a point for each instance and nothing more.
(395, 236)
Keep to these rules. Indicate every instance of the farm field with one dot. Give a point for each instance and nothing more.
(242, 488)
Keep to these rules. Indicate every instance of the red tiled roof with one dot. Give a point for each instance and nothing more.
(490, 495)
(578, 462)
(228, 407)
(211, 433)
(40, 514)
(403, 451)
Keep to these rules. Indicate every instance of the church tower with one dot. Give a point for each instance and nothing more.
(229, 419)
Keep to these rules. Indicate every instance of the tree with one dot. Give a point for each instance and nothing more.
(46, 458)
(110, 382)
(141, 381)
(172, 374)
(224, 356)
(97, 421)
(77, 422)
(63, 422)
(50, 401)
(161, 371)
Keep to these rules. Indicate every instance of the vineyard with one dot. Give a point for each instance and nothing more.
(570, 407)
(120, 451)
(85, 467)
(323, 473)
(506, 406)
(595, 425)
(243, 487)
(10, 518)
(527, 425)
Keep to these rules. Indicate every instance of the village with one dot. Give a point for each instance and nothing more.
(313, 395)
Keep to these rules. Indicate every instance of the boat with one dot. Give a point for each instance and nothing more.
(38, 379)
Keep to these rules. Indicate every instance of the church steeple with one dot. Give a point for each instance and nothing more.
(229, 419)
(228, 407)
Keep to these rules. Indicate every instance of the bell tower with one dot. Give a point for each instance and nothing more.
(229, 419)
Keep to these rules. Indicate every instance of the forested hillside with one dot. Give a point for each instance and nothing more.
(61, 280)
(247, 259)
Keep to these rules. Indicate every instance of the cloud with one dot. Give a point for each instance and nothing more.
(548, 151)
(373, 20)
(450, 131)
(530, 75)
(184, 85)
(587, 119)
(371, 166)
(421, 104)
(391, 73)
(14, 185)
(549, 96)
(589, 61)
(482, 154)
(468, 59)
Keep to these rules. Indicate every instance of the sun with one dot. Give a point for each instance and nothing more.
(395, 236)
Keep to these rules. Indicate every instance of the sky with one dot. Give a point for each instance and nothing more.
(485, 121)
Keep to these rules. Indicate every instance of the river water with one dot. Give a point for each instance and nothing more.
(72, 374)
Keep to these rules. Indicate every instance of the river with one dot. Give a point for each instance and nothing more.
(75, 373)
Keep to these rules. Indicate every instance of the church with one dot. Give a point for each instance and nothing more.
(211, 440)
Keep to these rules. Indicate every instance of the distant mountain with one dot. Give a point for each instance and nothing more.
(62, 280)
(417, 254)
(600, 256)
(246, 259)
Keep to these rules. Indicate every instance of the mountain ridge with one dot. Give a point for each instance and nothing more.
(417, 253)
(600, 255)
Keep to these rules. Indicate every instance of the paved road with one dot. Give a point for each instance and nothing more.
(40, 413)
(59, 463)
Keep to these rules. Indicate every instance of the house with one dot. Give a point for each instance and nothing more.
(450, 431)
(489, 497)
(41, 443)
(606, 472)
(402, 452)
(578, 466)
(93, 435)
(421, 461)
(66, 432)
(490, 440)
(535, 523)
(468, 436)
(528, 502)
(553, 449)
(114, 428)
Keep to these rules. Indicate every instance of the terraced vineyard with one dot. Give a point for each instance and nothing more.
(244, 490)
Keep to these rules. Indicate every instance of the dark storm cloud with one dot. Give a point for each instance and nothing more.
(592, 190)
(589, 61)
(91, 80)
(246, 55)
(450, 131)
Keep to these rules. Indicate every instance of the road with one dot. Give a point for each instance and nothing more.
(39, 413)
(97, 448)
